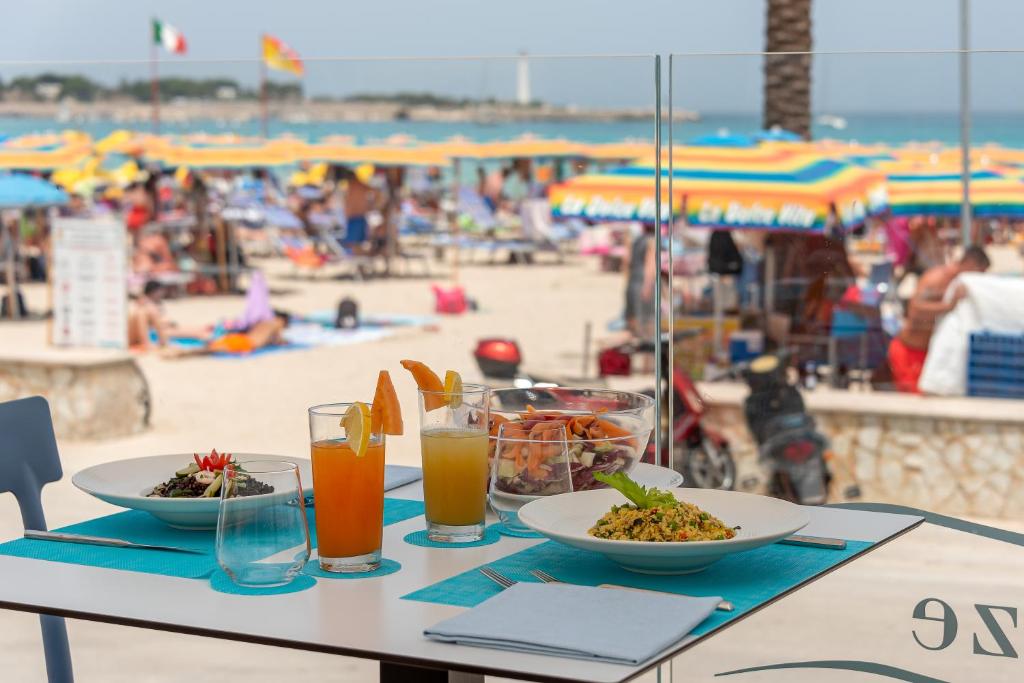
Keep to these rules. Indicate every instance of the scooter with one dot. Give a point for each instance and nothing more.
(789, 445)
(699, 453)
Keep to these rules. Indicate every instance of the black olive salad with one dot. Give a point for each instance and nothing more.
(205, 477)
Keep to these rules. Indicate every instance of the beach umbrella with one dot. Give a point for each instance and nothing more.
(43, 159)
(521, 148)
(930, 191)
(784, 192)
(224, 157)
(347, 154)
(18, 190)
(777, 134)
(723, 139)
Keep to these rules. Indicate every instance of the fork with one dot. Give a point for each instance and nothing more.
(723, 606)
(497, 578)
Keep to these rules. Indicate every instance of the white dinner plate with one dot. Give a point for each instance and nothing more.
(126, 483)
(762, 520)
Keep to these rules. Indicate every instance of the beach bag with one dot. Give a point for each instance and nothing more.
(723, 256)
(348, 315)
(451, 300)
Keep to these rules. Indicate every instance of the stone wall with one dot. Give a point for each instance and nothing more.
(91, 396)
(952, 456)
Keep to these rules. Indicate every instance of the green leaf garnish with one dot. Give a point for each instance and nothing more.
(639, 495)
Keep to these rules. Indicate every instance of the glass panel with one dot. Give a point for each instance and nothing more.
(451, 239)
(830, 285)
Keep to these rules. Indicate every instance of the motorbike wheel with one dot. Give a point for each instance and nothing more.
(706, 465)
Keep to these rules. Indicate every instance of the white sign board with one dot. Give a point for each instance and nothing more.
(90, 281)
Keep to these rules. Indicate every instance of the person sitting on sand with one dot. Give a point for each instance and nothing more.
(145, 314)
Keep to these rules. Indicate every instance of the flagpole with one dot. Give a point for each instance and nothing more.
(154, 79)
(263, 88)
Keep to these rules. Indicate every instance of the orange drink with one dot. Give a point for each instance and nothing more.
(455, 476)
(348, 489)
(350, 504)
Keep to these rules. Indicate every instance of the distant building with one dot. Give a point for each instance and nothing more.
(226, 92)
(523, 80)
(48, 90)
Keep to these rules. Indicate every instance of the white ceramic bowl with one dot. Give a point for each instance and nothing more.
(763, 520)
(127, 483)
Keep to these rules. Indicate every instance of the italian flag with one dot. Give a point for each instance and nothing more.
(168, 36)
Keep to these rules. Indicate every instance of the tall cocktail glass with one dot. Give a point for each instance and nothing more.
(453, 433)
(349, 494)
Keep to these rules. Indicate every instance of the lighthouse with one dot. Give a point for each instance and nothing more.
(523, 80)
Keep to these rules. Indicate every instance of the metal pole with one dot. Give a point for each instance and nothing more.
(669, 404)
(154, 83)
(965, 124)
(263, 91)
(658, 407)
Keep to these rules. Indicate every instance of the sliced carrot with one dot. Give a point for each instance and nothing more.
(496, 422)
(613, 430)
(386, 412)
(427, 381)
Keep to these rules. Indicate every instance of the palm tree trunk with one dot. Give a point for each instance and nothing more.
(787, 77)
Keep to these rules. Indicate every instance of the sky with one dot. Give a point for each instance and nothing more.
(76, 33)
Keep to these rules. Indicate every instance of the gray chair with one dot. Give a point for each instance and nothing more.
(29, 460)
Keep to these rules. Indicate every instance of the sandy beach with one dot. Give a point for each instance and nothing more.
(258, 405)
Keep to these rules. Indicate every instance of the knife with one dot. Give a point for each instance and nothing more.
(815, 542)
(37, 535)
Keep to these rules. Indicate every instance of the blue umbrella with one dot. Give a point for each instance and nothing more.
(18, 190)
(723, 139)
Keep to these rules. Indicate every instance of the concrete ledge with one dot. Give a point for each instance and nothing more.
(882, 403)
(955, 456)
(92, 394)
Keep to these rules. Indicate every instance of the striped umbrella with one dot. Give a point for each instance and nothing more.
(782, 191)
(937, 191)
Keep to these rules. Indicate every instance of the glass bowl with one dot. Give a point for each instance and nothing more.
(614, 441)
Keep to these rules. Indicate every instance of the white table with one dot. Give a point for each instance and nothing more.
(358, 618)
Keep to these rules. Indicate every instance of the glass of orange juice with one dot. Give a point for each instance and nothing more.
(349, 493)
(453, 434)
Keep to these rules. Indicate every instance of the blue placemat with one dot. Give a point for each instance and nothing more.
(419, 538)
(222, 583)
(387, 566)
(747, 579)
(515, 533)
(141, 527)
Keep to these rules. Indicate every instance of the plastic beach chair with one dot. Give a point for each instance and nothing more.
(29, 460)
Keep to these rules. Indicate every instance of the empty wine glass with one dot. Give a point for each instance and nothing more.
(525, 466)
(262, 532)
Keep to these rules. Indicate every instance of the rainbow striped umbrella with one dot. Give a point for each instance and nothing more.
(937, 191)
(778, 190)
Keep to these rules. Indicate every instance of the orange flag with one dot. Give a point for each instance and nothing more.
(277, 55)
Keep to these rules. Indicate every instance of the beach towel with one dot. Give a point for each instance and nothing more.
(994, 303)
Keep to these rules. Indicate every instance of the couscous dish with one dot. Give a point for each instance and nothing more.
(656, 516)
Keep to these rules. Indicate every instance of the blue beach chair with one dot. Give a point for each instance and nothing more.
(29, 460)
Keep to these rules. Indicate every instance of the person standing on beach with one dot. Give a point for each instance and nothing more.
(908, 350)
(641, 278)
(359, 200)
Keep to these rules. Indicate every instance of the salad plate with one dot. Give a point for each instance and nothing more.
(757, 520)
(129, 483)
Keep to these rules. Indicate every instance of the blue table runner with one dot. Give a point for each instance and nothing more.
(748, 579)
(141, 527)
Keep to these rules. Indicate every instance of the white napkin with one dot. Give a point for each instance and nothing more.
(603, 624)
